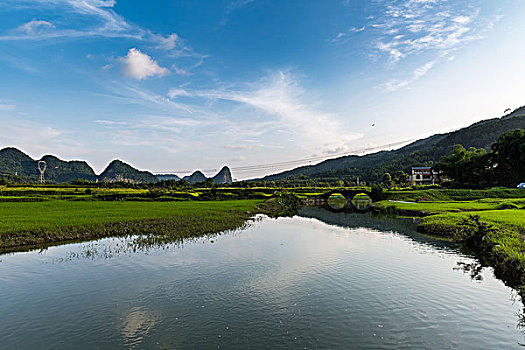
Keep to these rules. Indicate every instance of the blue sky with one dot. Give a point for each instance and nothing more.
(184, 85)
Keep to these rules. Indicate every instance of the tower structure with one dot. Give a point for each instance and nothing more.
(42, 168)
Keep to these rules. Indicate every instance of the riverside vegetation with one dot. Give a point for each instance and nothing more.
(34, 216)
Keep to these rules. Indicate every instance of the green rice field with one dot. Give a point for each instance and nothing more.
(28, 223)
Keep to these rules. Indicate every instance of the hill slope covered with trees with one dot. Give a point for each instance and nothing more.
(372, 167)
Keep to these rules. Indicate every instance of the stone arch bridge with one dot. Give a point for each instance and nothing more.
(322, 200)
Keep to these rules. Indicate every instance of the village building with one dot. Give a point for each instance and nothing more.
(425, 176)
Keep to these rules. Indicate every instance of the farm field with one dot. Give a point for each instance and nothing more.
(33, 223)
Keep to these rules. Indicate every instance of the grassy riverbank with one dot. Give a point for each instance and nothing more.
(445, 219)
(437, 207)
(446, 194)
(40, 223)
(493, 227)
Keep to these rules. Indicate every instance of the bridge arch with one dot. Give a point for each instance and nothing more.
(349, 195)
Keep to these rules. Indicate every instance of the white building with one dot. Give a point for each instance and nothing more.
(425, 176)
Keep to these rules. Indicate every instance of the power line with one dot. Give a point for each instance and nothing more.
(297, 161)
(265, 166)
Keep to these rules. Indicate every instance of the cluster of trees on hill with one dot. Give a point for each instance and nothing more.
(503, 165)
(400, 178)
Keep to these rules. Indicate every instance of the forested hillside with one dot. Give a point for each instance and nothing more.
(371, 167)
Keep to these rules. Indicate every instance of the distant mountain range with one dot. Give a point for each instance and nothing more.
(15, 165)
(222, 177)
(371, 167)
(18, 166)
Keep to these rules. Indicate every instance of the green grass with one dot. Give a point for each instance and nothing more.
(73, 190)
(27, 223)
(436, 207)
(411, 195)
(506, 240)
(502, 219)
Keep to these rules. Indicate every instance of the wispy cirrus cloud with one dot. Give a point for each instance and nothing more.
(173, 93)
(342, 36)
(273, 105)
(164, 132)
(238, 3)
(231, 6)
(406, 27)
(153, 122)
(418, 73)
(285, 104)
(98, 19)
(36, 27)
(128, 93)
(99, 16)
(237, 147)
(422, 32)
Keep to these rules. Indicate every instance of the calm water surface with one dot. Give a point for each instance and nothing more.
(318, 280)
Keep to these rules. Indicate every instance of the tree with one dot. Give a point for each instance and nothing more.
(507, 158)
(183, 184)
(400, 177)
(468, 168)
(209, 183)
(387, 180)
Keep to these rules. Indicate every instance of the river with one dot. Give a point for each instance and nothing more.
(319, 280)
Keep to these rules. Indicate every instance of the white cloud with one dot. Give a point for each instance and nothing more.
(280, 97)
(168, 123)
(95, 19)
(416, 31)
(416, 75)
(238, 3)
(167, 43)
(342, 35)
(174, 93)
(109, 122)
(138, 65)
(124, 92)
(36, 27)
(237, 147)
(180, 71)
(357, 30)
(409, 27)
(462, 19)
(167, 133)
(99, 19)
